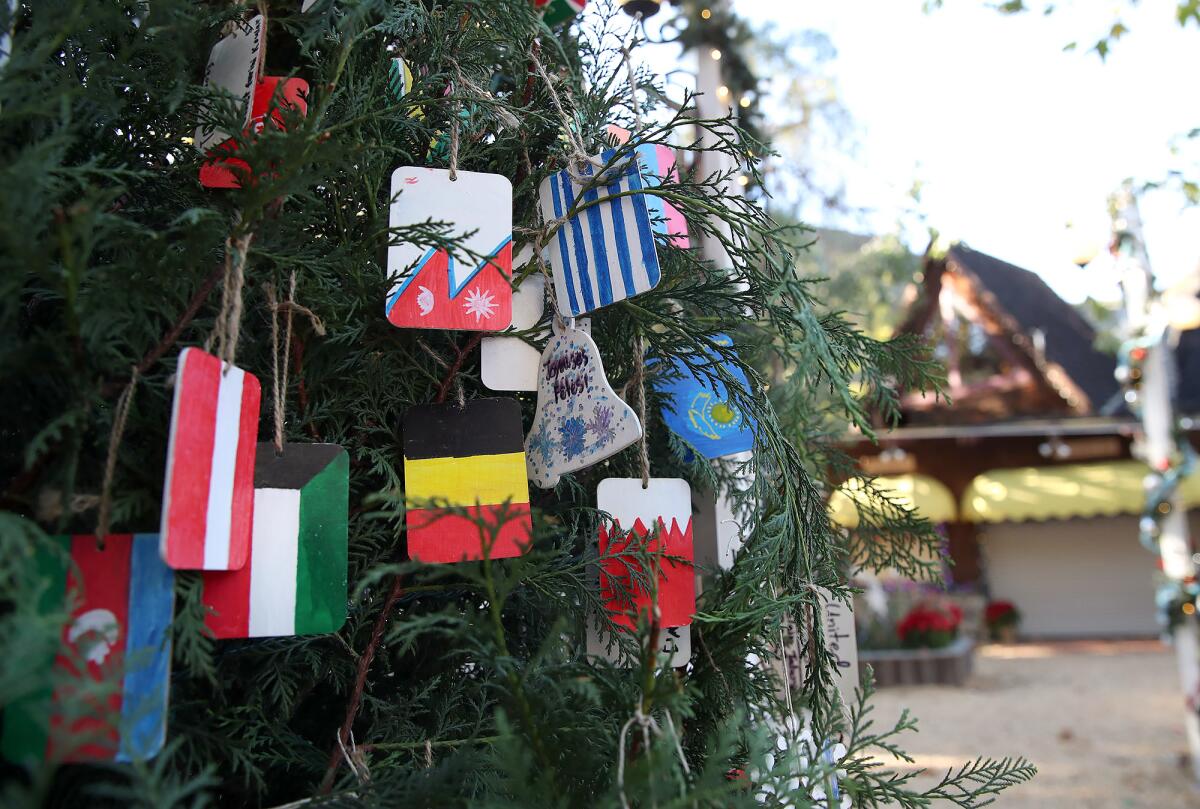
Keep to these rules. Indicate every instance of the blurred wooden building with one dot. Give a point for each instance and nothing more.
(1029, 464)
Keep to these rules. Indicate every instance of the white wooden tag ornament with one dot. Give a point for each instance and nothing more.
(469, 287)
(674, 648)
(510, 363)
(580, 420)
(233, 66)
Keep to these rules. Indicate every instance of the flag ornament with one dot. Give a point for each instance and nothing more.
(468, 287)
(604, 252)
(294, 582)
(557, 11)
(221, 169)
(657, 519)
(658, 165)
(702, 411)
(469, 458)
(106, 688)
(208, 491)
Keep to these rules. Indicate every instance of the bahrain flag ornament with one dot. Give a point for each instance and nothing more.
(294, 582)
(466, 287)
(580, 420)
(102, 694)
(208, 491)
(464, 481)
(656, 519)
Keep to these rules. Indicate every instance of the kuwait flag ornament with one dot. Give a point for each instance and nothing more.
(103, 694)
(464, 481)
(295, 580)
(208, 492)
(467, 287)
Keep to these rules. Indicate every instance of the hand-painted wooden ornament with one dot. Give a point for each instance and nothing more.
(464, 481)
(295, 580)
(702, 411)
(272, 96)
(658, 165)
(842, 643)
(655, 519)
(604, 251)
(579, 420)
(675, 647)
(117, 642)
(233, 66)
(510, 363)
(464, 288)
(559, 11)
(400, 78)
(208, 492)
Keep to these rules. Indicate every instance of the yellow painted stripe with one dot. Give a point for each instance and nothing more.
(478, 479)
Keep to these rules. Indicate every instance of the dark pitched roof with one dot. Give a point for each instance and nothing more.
(1033, 305)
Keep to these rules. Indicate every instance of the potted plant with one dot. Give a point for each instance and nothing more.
(929, 625)
(1002, 618)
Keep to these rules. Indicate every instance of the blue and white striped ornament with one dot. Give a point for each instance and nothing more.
(605, 252)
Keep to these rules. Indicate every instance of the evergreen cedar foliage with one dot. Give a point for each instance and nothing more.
(113, 258)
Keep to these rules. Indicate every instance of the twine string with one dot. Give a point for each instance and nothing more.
(579, 156)
(637, 384)
(455, 113)
(633, 87)
(228, 325)
(280, 354)
(120, 417)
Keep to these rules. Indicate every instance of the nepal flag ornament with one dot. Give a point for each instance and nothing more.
(465, 287)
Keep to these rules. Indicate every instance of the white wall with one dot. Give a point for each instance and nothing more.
(1073, 578)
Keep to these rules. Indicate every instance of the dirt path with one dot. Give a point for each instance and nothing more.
(1099, 720)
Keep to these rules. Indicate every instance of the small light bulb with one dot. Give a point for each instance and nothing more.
(716, 54)
(1189, 609)
(744, 102)
(722, 91)
(705, 13)
(743, 180)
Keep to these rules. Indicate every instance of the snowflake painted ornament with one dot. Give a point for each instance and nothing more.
(580, 420)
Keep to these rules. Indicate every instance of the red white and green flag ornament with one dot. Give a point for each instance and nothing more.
(208, 491)
(559, 11)
(295, 580)
(467, 287)
(102, 695)
(580, 420)
(655, 518)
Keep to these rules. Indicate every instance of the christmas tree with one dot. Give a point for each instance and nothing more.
(447, 684)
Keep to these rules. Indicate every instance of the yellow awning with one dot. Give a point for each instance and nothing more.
(1063, 492)
(927, 496)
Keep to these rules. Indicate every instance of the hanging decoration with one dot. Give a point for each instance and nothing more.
(603, 251)
(295, 580)
(464, 481)
(640, 9)
(510, 363)
(400, 81)
(467, 287)
(654, 516)
(233, 66)
(555, 12)
(208, 491)
(674, 648)
(701, 409)
(658, 165)
(117, 641)
(580, 420)
(272, 96)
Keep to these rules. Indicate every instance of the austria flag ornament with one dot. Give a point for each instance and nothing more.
(208, 491)
(102, 694)
(466, 287)
(656, 518)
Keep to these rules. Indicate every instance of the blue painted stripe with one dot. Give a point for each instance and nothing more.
(658, 213)
(599, 248)
(478, 269)
(622, 239)
(408, 279)
(581, 260)
(563, 253)
(147, 651)
(641, 216)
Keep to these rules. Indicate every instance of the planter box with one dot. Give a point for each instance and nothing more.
(948, 666)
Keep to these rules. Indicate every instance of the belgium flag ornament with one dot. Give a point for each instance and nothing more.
(464, 481)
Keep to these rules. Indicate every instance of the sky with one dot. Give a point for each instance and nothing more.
(1009, 136)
